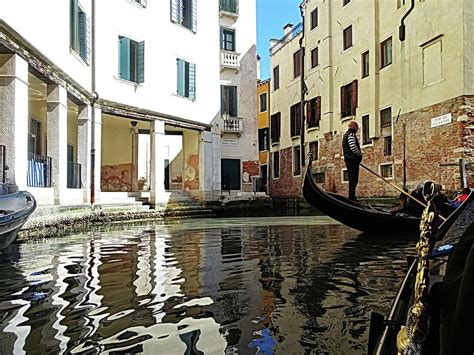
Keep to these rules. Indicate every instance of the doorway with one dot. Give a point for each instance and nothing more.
(230, 174)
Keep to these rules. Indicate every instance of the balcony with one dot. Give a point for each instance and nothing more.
(233, 125)
(39, 170)
(229, 60)
(229, 8)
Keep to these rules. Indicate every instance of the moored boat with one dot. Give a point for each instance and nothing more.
(15, 209)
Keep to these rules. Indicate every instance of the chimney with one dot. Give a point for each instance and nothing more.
(287, 28)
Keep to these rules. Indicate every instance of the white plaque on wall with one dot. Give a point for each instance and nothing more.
(441, 120)
(230, 142)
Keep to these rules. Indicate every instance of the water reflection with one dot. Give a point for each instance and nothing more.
(273, 285)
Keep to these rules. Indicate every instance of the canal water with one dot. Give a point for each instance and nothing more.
(285, 285)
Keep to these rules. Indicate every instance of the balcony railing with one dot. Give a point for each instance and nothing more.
(233, 125)
(295, 31)
(39, 170)
(229, 6)
(73, 175)
(229, 59)
(3, 164)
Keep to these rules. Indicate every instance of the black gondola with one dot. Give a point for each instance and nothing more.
(352, 214)
(383, 333)
(15, 209)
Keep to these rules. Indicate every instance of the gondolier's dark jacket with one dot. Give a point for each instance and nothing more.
(351, 147)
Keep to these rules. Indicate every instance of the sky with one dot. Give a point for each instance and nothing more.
(272, 15)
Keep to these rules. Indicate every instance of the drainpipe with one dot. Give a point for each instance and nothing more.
(401, 29)
(95, 97)
(303, 89)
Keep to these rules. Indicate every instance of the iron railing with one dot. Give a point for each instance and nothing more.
(231, 6)
(39, 170)
(73, 175)
(3, 164)
(295, 31)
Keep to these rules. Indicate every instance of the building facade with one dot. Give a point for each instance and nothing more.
(94, 102)
(263, 120)
(411, 95)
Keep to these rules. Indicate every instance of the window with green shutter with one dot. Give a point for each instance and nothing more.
(184, 12)
(229, 100)
(186, 79)
(80, 31)
(131, 60)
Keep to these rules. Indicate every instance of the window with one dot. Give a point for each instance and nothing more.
(314, 57)
(347, 37)
(365, 130)
(297, 63)
(229, 100)
(313, 112)
(314, 18)
(183, 12)
(387, 145)
(349, 99)
(34, 137)
(131, 60)
(365, 64)
(296, 160)
(140, 2)
(345, 2)
(263, 102)
(276, 78)
(295, 120)
(386, 117)
(275, 121)
(186, 79)
(80, 29)
(345, 175)
(386, 170)
(276, 165)
(314, 149)
(319, 177)
(263, 139)
(386, 52)
(228, 39)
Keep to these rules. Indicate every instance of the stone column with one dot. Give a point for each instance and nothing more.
(84, 125)
(57, 139)
(157, 174)
(14, 116)
(98, 152)
(216, 161)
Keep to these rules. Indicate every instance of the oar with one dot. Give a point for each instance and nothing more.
(399, 189)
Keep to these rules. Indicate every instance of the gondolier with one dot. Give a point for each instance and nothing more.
(352, 157)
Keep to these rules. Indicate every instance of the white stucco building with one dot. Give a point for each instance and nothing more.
(131, 91)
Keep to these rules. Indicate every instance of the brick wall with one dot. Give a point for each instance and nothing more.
(431, 153)
(287, 185)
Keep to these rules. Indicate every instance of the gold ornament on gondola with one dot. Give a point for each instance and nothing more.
(411, 336)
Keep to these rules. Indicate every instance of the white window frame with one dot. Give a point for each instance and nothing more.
(387, 164)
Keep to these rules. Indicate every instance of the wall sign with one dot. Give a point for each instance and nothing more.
(230, 142)
(441, 120)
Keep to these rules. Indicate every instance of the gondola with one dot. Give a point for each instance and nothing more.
(357, 216)
(15, 209)
(383, 332)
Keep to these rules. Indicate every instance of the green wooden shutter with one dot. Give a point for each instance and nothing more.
(84, 36)
(74, 25)
(192, 81)
(180, 81)
(141, 62)
(222, 38)
(174, 10)
(124, 58)
(222, 99)
(234, 101)
(194, 15)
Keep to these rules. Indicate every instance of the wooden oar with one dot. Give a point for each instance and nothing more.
(399, 189)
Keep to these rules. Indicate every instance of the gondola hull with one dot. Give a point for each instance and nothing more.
(363, 218)
(15, 209)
